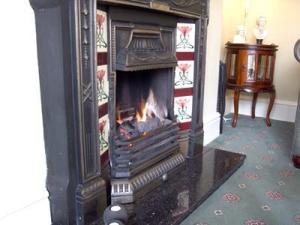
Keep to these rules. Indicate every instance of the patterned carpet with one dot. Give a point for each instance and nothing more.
(266, 189)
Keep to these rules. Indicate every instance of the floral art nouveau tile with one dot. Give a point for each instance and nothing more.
(183, 108)
(102, 84)
(184, 74)
(185, 37)
(103, 134)
(101, 31)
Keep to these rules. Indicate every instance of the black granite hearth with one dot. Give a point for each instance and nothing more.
(185, 189)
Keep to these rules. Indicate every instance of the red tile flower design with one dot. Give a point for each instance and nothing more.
(182, 102)
(184, 67)
(103, 135)
(101, 74)
(101, 38)
(274, 195)
(102, 126)
(184, 29)
(183, 75)
(100, 20)
(254, 222)
(102, 84)
(185, 37)
(182, 109)
(101, 92)
(230, 197)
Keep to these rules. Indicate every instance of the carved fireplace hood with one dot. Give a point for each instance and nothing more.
(141, 48)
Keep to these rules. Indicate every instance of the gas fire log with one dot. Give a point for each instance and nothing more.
(127, 130)
(133, 129)
(150, 124)
(127, 114)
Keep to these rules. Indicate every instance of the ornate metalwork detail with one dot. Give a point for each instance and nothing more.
(87, 82)
(87, 92)
(185, 3)
(123, 190)
(85, 33)
(142, 47)
(202, 33)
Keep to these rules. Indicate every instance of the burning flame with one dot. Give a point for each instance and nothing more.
(119, 119)
(141, 116)
(147, 109)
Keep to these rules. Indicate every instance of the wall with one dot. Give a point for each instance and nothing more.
(282, 26)
(23, 196)
(211, 118)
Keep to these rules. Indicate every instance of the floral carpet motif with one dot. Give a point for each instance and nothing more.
(266, 189)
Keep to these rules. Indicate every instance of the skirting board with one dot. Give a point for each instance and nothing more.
(211, 127)
(282, 110)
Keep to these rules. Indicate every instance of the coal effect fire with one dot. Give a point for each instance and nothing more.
(133, 123)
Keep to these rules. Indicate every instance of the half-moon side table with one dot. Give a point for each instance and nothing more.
(250, 68)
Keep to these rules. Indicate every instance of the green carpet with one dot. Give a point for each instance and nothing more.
(266, 189)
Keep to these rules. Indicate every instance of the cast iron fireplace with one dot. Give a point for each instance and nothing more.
(144, 134)
(145, 140)
(122, 101)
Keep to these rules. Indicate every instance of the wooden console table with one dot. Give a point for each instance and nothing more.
(250, 68)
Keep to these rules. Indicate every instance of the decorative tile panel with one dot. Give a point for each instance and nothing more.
(183, 108)
(101, 31)
(184, 74)
(102, 85)
(102, 82)
(103, 133)
(185, 41)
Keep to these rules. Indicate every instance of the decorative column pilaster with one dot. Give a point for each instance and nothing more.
(67, 66)
(196, 134)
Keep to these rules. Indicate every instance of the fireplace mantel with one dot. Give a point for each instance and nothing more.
(66, 40)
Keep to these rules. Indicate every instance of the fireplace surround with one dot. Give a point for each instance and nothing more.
(90, 54)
